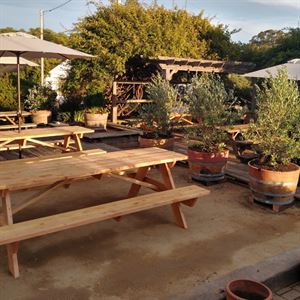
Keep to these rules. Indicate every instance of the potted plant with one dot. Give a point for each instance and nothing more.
(96, 117)
(157, 123)
(207, 151)
(276, 134)
(39, 102)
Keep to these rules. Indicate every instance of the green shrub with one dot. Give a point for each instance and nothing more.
(207, 139)
(277, 130)
(40, 97)
(165, 102)
(209, 104)
(97, 110)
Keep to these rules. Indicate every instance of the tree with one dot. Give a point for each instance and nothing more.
(117, 33)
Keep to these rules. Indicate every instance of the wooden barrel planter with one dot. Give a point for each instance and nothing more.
(273, 187)
(166, 143)
(207, 167)
(40, 116)
(95, 120)
(247, 289)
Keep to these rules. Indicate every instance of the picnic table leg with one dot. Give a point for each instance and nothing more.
(10, 120)
(77, 140)
(140, 175)
(66, 144)
(169, 183)
(12, 249)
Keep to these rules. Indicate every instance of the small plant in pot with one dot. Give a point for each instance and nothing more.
(276, 134)
(40, 101)
(207, 151)
(156, 118)
(96, 117)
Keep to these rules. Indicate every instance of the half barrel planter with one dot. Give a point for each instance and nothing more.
(96, 120)
(207, 167)
(273, 187)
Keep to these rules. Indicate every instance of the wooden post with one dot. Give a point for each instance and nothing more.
(169, 183)
(12, 249)
(114, 108)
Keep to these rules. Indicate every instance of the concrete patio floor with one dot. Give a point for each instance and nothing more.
(145, 256)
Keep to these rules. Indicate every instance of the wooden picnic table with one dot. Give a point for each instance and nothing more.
(235, 130)
(51, 172)
(242, 149)
(10, 116)
(31, 137)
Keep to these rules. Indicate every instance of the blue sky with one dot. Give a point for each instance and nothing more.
(252, 16)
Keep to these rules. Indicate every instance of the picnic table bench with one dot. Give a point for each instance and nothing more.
(10, 140)
(23, 126)
(61, 170)
(11, 116)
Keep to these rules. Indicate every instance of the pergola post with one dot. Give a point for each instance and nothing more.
(114, 108)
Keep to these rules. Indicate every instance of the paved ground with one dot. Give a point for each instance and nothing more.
(145, 256)
(291, 292)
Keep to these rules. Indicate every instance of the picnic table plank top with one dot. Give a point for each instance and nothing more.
(33, 172)
(43, 132)
(13, 113)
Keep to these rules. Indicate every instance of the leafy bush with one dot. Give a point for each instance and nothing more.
(79, 116)
(40, 97)
(157, 115)
(97, 110)
(209, 102)
(277, 130)
(208, 99)
(207, 139)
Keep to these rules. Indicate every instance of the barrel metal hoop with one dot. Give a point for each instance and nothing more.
(284, 202)
(272, 194)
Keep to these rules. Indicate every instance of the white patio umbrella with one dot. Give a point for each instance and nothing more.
(292, 66)
(9, 64)
(23, 45)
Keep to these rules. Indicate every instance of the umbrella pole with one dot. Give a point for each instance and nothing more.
(19, 100)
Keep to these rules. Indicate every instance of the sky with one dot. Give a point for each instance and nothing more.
(251, 16)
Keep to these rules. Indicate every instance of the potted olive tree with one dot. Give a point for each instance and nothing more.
(40, 101)
(207, 151)
(96, 117)
(276, 134)
(156, 117)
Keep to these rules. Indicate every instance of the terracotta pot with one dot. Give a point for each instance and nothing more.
(207, 166)
(161, 143)
(273, 187)
(247, 289)
(40, 116)
(96, 120)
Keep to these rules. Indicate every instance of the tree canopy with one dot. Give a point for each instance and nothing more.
(116, 33)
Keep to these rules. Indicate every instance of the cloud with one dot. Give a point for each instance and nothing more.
(289, 3)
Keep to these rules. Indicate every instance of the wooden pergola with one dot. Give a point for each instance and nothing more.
(171, 65)
(168, 66)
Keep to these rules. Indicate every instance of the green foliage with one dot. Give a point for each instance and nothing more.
(40, 97)
(242, 87)
(209, 104)
(8, 93)
(271, 49)
(116, 33)
(208, 99)
(165, 101)
(207, 139)
(79, 116)
(277, 130)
